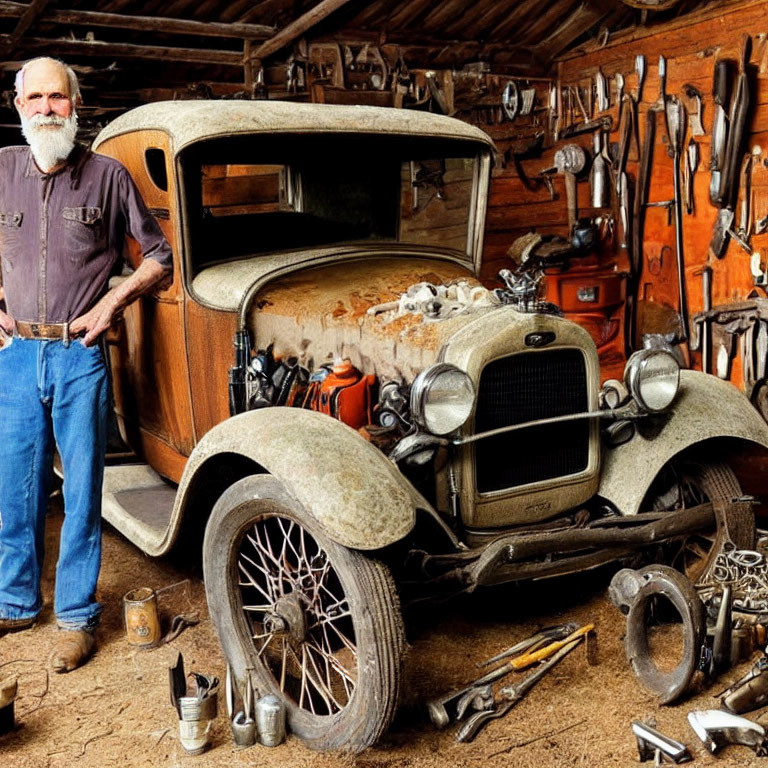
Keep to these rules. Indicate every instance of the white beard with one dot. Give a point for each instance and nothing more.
(50, 146)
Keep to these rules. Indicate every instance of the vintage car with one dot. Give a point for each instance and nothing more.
(355, 419)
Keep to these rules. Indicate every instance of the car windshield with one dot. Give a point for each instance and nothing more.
(249, 195)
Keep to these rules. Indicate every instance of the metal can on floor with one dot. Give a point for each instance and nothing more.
(270, 720)
(142, 623)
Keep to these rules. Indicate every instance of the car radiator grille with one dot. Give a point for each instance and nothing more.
(522, 388)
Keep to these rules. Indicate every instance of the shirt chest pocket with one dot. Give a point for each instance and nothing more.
(10, 236)
(83, 232)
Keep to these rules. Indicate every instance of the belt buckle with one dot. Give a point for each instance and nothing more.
(34, 329)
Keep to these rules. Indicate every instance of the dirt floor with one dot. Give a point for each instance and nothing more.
(115, 711)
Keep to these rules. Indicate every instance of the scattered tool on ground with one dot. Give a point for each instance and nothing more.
(654, 745)
(513, 694)
(551, 634)
(717, 729)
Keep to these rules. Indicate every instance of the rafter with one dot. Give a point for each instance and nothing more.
(28, 17)
(168, 26)
(297, 28)
(127, 51)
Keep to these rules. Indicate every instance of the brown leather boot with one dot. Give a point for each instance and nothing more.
(15, 625)
(71, 648)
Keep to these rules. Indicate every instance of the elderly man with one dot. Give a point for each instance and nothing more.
(64, 215)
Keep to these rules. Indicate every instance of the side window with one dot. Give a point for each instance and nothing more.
(154, 159)
(234, 190)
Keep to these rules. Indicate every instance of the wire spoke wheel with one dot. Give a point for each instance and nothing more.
(686, 485)
(299, 616)
(303, 617)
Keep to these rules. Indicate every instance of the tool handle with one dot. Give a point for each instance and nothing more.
(720, 83)
(514, 693)
(521, 662)
(746, 50)
(570, 196)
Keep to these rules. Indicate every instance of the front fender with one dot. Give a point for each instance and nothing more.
(706, 408)
(349, 486)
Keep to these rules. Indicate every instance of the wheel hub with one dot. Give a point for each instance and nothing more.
(286, 619)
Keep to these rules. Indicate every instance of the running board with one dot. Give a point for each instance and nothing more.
(139, 503)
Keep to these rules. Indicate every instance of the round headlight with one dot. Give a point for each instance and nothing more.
(653, 378)
(442, 397)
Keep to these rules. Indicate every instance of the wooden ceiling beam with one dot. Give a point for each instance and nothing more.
(167, 26)
(578, 22)
(297, 28)
(27, 18)
(127, 51)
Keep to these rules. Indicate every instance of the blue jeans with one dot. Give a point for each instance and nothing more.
(51, 393)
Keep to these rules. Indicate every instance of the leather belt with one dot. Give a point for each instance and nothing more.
(27, 330)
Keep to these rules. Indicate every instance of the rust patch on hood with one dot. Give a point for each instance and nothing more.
(320, 315)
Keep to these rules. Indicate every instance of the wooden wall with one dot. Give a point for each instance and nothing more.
(691, 48)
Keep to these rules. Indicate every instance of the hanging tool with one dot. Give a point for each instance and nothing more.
(528, 96)
(660, 105)
(706, 331)
(601, 89)
(601, 123)
(689, 171)
(640, 72)
(761, 351)
(624, 210)
(582, 108)
(618, 79)
(676, 125)
(693, 96)
(570, 159)
(730, 168)
(744, 228)
(510, 100)
(737, 124)
(638, 222)
(555, 109)
(513, 694)
(598, 176)
(719, 130)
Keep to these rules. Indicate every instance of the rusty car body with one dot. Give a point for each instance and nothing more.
(330, 390)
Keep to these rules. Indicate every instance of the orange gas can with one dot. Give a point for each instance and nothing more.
(347, 395)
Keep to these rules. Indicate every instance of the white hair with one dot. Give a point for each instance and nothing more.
(74, 85)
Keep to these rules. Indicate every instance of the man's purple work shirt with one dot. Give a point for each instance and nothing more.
(61, 234)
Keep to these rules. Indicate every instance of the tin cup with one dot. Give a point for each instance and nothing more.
(142, 624)
(194, 735)
(195, 723)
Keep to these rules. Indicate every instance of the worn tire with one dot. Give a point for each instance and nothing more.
(715, 480)
(310, 571)
(700, 481)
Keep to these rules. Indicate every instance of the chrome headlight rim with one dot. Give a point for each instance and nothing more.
(423, 386)
(639, 375)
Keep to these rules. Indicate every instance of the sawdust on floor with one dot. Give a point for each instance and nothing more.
(116, 711)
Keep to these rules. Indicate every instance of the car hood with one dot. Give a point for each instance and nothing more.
(321, 315)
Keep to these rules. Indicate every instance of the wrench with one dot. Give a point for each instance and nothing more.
(694, 115)
(512, 695)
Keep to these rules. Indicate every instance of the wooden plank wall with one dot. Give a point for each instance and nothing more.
(691, 49)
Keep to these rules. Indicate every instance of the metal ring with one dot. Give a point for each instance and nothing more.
(747, 558)
(661, 580)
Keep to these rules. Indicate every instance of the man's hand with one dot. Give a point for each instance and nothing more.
(98, 319)
(6, 324)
